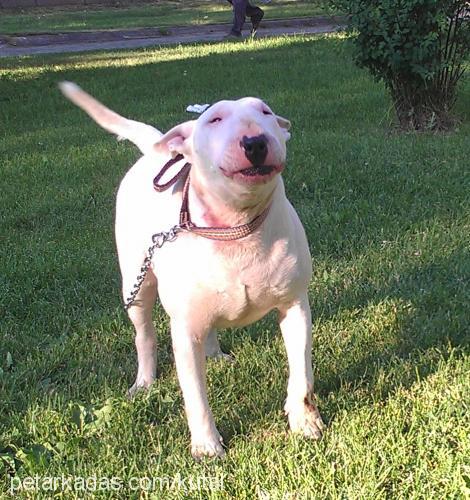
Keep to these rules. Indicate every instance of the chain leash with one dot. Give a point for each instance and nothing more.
(158, 240)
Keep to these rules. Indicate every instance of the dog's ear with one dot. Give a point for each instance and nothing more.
(177, 140)
(284, 123)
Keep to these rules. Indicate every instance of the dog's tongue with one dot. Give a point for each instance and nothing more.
(257, 170)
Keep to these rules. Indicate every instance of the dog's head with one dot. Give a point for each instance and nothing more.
(239, 145)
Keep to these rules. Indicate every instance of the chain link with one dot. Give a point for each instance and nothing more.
(158, 240)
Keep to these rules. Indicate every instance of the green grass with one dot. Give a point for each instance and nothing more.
(387, 218)
(160, 14)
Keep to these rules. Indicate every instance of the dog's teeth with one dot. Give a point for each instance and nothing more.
(258, 170)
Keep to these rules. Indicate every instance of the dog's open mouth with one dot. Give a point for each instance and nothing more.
(257, 170)
(256, 174)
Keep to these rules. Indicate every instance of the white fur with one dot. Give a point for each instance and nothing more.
(205, 285)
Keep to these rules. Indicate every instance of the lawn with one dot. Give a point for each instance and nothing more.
(158, 14)
(388, 220)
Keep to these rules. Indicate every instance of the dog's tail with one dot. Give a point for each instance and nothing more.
(142, 135)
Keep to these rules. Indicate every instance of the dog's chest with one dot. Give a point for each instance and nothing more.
(260, 275)
(233, 283)
(247, 293)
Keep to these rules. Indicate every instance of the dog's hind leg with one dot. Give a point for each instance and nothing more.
(132, 238)
(140, 314)
(213, 349)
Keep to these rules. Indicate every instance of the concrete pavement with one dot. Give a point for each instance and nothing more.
(48, 43)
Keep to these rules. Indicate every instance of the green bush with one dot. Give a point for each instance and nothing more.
(418, 49)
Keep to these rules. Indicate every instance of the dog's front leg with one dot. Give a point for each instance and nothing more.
(296, 327)
(188, 348)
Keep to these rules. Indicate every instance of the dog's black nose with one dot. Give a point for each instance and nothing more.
(256, 148)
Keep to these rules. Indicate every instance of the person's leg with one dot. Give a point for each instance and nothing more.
(239, 12)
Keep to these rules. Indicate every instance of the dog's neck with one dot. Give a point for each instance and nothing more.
(221, 207)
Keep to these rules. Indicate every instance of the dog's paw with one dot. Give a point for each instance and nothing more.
(221, 356)
(305, 419)
(211, 447)
(139, 386)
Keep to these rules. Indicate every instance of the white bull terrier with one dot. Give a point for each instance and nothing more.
(237, 151)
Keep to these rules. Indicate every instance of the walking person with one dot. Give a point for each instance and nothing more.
(242, 9)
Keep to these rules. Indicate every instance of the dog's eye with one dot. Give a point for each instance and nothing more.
(266, 112)
(215, 119)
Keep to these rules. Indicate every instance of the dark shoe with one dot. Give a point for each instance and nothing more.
(255, 21)
(233, 35)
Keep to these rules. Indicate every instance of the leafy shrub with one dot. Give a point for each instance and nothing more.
(418, 48)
